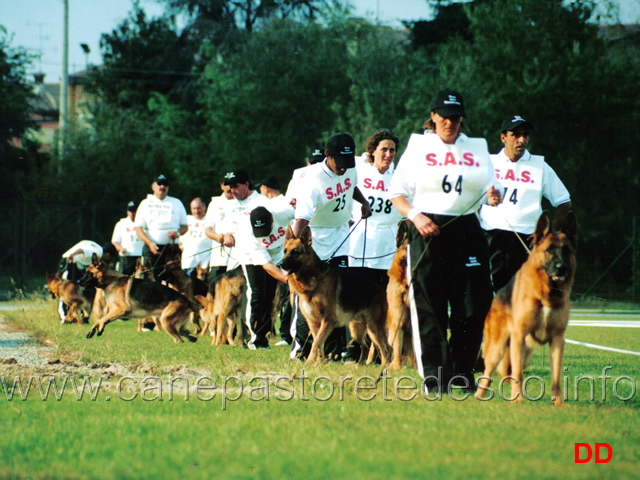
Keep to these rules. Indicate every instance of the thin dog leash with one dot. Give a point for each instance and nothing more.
(346, 238)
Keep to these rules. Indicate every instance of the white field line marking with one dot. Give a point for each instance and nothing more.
(600, 347)
(605, 323)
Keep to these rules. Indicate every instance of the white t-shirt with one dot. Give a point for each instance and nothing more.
(157, 217)
(524, 183)
(215, 219)
(262, 250)
(196, 245)
(88, 247)
(237, 212)
(125, 234)
(444, 179)
(378, 246)
(325, 199)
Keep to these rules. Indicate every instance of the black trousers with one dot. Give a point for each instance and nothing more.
(127, 264)
(451, 271)
(261, 289)
(507, 254)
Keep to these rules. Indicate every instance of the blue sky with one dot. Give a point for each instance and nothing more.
(37, 25)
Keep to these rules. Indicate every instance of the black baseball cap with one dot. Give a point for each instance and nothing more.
(448, 103)
(261, 221)
(161, 180)
(343, 150)
(511, 123)
(269, 182)
(316, 155)
(237, 176)
(132, 206)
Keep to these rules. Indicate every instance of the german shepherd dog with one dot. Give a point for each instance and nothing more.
(134, 298)
(177, 278)
(223, 311)
(533, 309)
(398, 320)
(332, 297)
(73, 297)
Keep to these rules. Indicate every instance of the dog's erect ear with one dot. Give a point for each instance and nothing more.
(305, 236)
(95, 259)
(570, 229)
(288, 235)
(542, 228)
(402, 234)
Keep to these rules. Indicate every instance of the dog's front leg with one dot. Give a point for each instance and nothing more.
(516, 347)
(556, 353)
(98, 326)
(317, 347)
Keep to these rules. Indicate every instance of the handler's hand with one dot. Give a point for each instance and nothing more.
(154, 248)
(366, 211)
(493, 196)
(228, 240)
(425, 226)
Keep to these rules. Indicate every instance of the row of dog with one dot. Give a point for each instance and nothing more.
(167, 307)
(533, 309)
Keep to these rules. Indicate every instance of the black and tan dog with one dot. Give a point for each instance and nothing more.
(72, 296)
(188, 286)
(533, 309)
(332, 297)
(222, 311)
(134, 298)
(398, 319)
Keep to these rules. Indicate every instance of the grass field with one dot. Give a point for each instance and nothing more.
(270, 417)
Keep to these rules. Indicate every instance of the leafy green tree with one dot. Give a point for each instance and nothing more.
(142, 56)
(266, 104)
(15, 118)
(247, 14)
(377, 67)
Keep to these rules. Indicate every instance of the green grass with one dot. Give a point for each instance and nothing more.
(308, 437)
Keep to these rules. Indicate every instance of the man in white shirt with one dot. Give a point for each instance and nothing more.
(160, 220)
(127, 242)
(196, 246)
(76, 260)
(216, 225)
(326, 192)
(238, 212)
(525, 179)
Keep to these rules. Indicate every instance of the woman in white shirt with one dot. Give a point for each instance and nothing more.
(439, 183)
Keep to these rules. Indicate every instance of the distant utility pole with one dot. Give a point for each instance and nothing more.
(64, 85)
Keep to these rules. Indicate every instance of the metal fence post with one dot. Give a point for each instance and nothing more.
(633, 262)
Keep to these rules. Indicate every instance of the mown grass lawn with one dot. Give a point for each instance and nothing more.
(341, 425)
